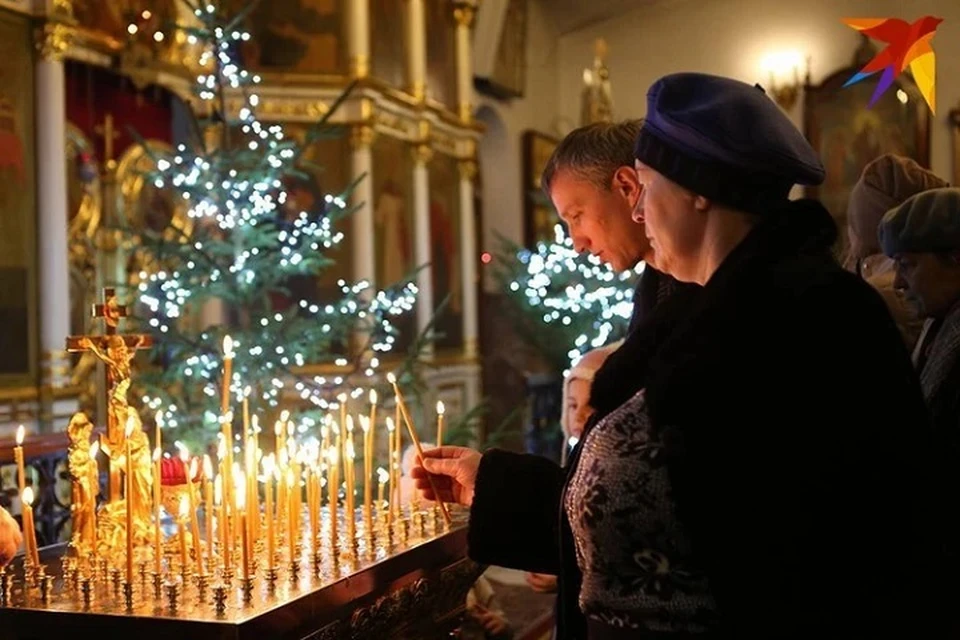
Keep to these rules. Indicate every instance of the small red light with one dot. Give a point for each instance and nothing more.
(486, 258)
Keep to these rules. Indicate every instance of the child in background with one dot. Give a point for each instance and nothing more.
(574, 414)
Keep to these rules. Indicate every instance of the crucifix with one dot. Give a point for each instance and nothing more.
(109, 134)
(116, 351)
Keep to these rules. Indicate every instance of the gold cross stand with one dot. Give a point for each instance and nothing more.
(116, 351)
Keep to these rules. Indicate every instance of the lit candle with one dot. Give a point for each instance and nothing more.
(382, 476)
(157, 533)
(241, 509)
(194, 525)
(268, 472)
(416, 443)
(342, 399)
(222, 528)
(440, 412)
(18, 456)
(333, 486)
(293, 517)
(351, 507)
(227, 374)
(29, 529)
(391, 463)
(367, 471)
(208, 507)
(128, 494)
(182, 530)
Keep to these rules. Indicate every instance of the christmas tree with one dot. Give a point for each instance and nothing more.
(250, 256)
(564, 303)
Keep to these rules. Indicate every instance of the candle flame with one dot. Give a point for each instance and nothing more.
(349, 424)
(255, 424)
(247, 391)
(284, 415)
(383, 475)
(268, 465)
(373, 396)
(365, 423)
(184, 451)
(159, 419)
(131, 423)
(291, 480)
(392, 379)
(221, 447)
(156, 455)
(440, 408)
(194, 464)
(94, 450)
(277, 428)
(184, 507)
(333, 454)
(207, 467)
(342, 398)
(27, 497)
(20, 434)
(351, 454)
(227, 347)
(241, 490)
(390, 425)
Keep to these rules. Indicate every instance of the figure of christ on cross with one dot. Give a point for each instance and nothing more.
(116, 351)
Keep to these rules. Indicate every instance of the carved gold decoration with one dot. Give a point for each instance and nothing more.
(85, 484)
(422, 153)
(360, 66)
(63, 10)
(443, 141)
(466, 112)
(362, 135)
(468, 169)
(464, 12)
(52, 40)
(418, 90)
(399, 126)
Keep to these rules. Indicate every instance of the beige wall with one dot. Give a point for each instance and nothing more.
(500, 150)
(729, 37)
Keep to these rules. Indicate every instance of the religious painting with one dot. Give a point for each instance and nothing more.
(441, 53)
(325, 165)
(509, 78)
(18, 272)
(298, 36)
(388, 44)
(848, 134)
(393, 222)
(445, 255)
(539, 216)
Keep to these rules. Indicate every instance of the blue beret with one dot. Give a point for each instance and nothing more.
(928, 222)
(725, 140)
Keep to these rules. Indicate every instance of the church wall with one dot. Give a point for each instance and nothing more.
(730, 37)
(501, 165)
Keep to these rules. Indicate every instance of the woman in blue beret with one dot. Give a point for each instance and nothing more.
(772, 479)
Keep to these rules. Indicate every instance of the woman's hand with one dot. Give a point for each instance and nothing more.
(542, 582)
(10, 537)
(452, 471)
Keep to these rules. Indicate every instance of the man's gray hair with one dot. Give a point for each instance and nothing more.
(593, 153)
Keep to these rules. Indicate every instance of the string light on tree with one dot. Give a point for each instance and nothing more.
(248, 241)
(567, 303)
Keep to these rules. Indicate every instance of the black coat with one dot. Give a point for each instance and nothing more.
(798, 447)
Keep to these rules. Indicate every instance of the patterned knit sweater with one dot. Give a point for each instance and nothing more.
(638, 570)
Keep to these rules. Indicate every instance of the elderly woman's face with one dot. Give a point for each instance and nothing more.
(671, 221)
(930, 282)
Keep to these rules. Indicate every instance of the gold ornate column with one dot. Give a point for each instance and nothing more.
(52, 211)
(358, 37)
(417, 49)
(421, 230)
(464, 11)
(468, 258)
(364, 248)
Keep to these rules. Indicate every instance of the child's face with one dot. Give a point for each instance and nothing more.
(578, 408)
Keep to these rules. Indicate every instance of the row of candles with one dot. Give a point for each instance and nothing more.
(232, 497)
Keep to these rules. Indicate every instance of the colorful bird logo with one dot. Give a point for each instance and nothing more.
(907, 44)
